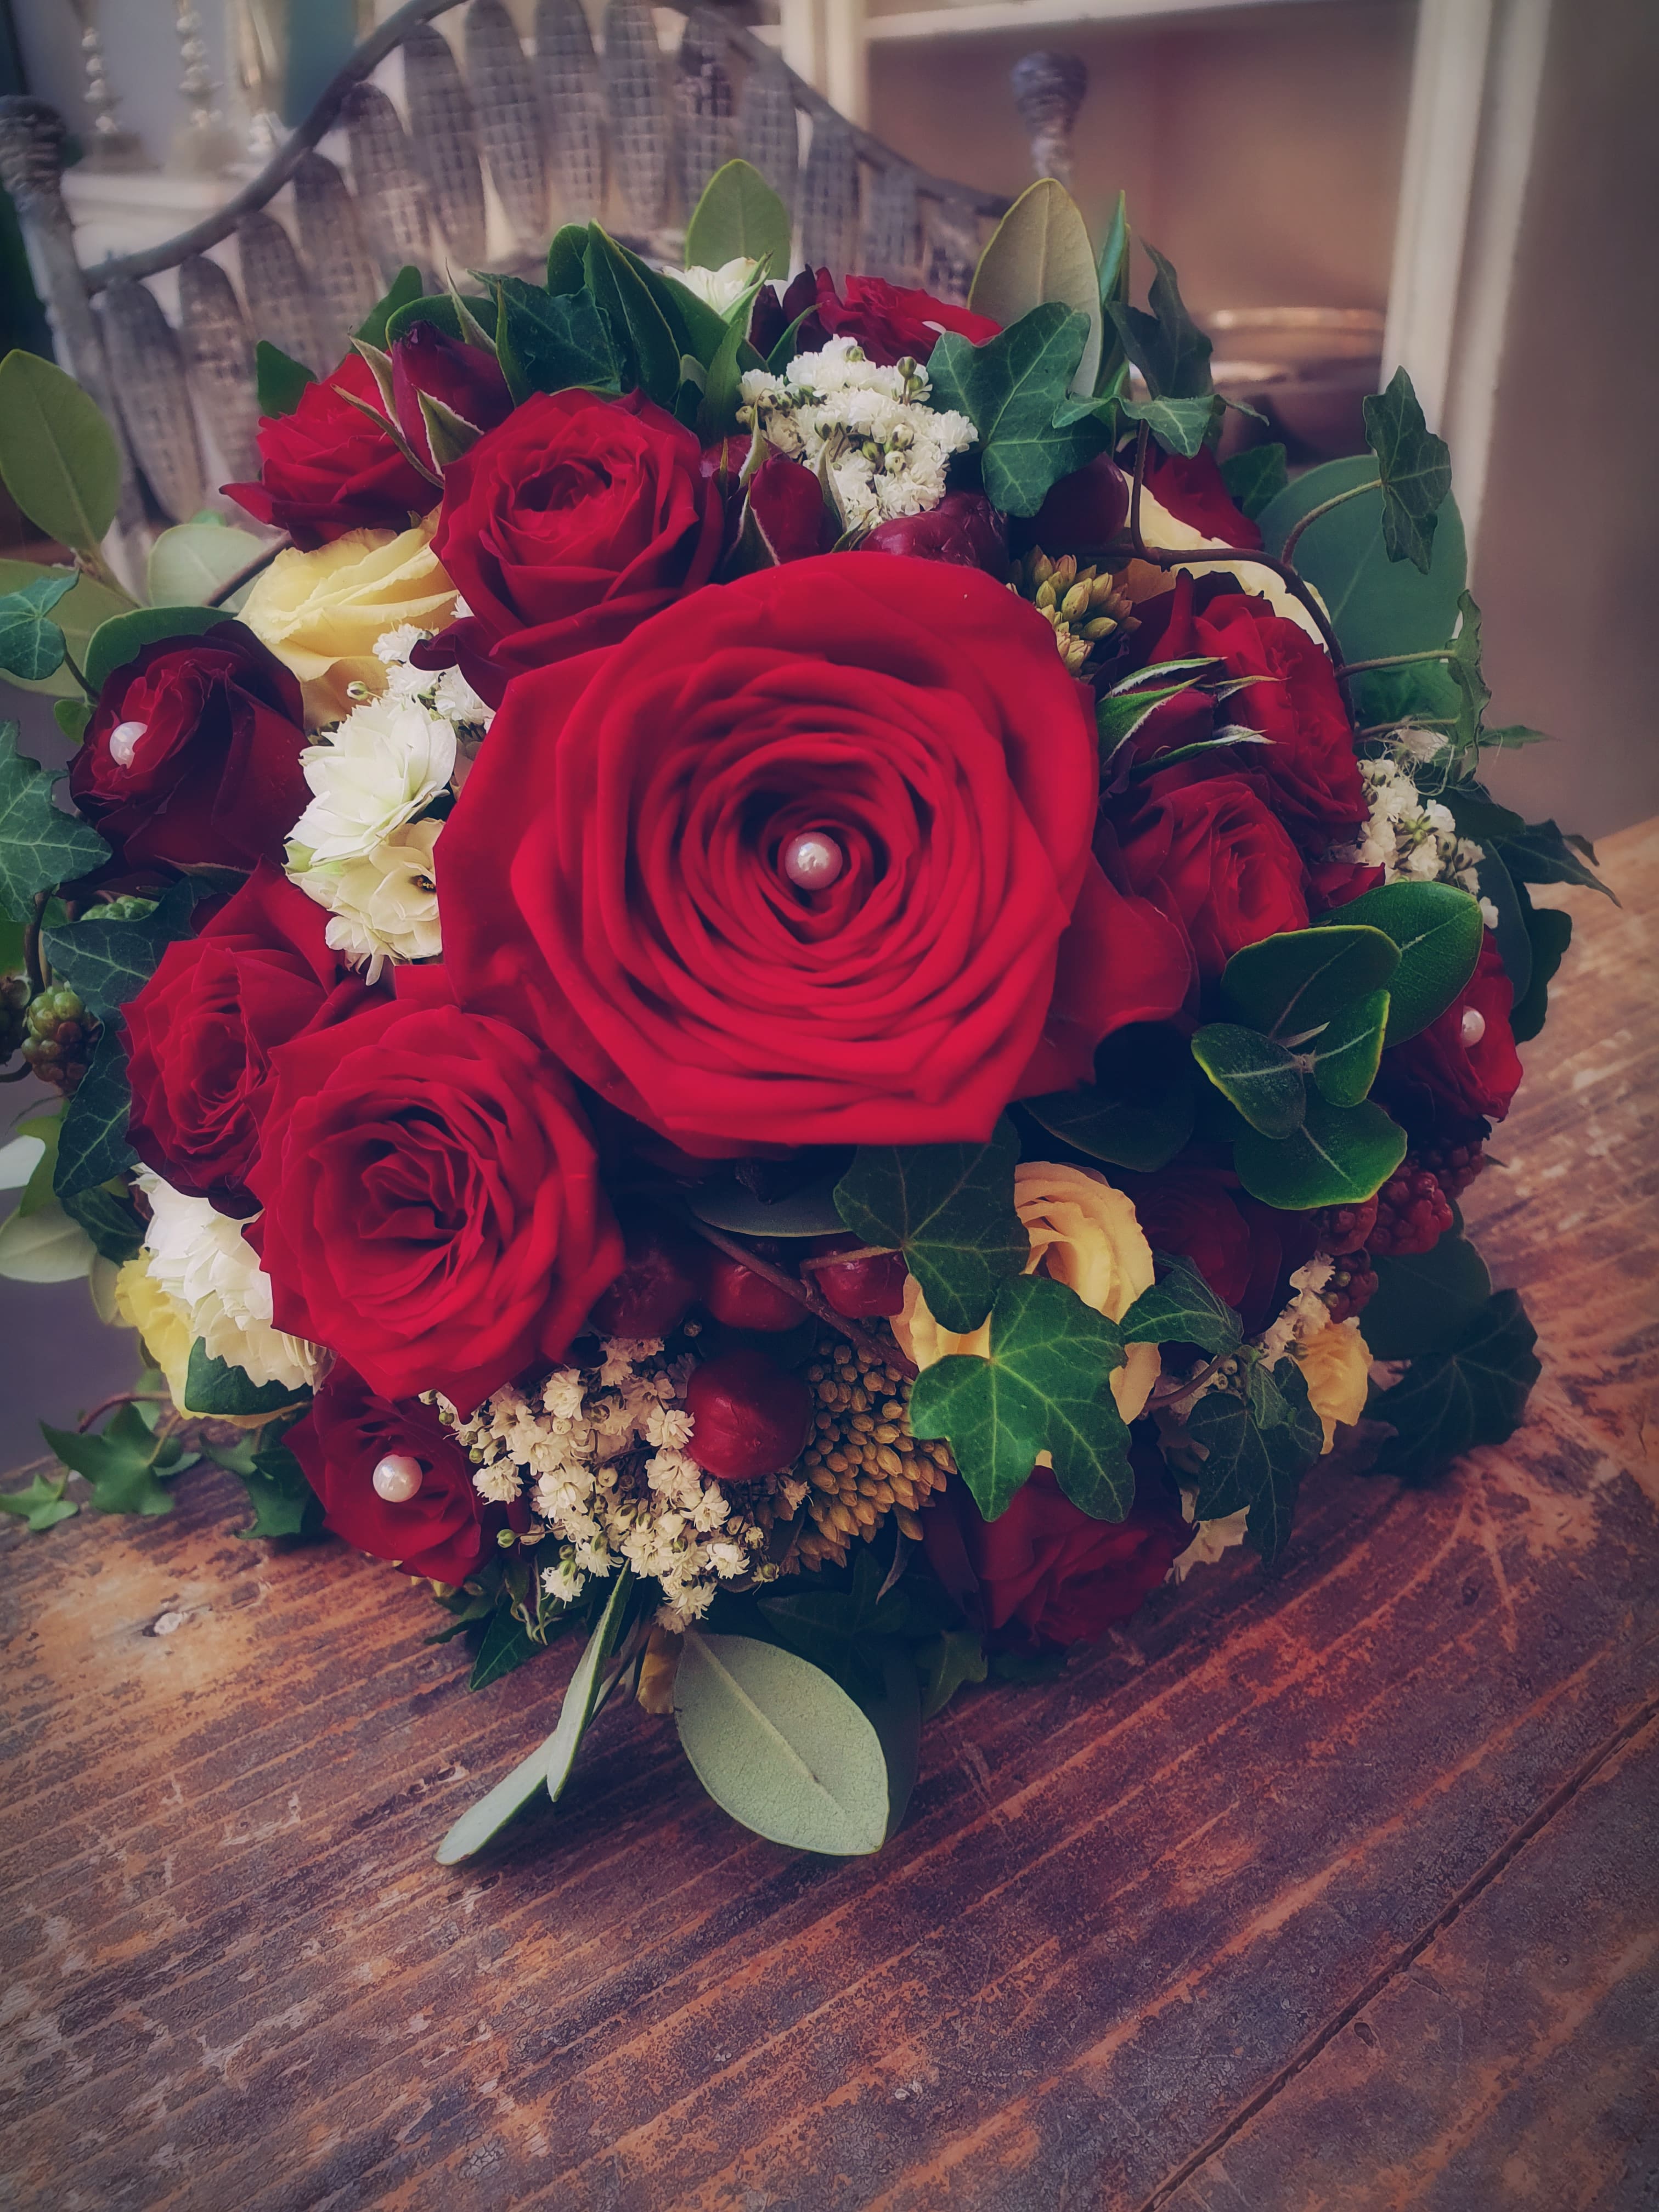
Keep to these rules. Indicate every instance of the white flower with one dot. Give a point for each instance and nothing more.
(385, 905)
(388, 759)
(1210, 1538)
(200, 1257)
(1411, 839)
(499, 1483)
(720, 289)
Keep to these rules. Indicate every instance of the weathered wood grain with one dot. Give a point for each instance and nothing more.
(1126, 1951)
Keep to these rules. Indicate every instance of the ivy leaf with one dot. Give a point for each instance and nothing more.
(954, 1657)
(284, 1503)
(92, 1146)
(1166, 346)
(1344, 1058)
(1415, 467)
(548, 342)
(567, 260)
(1254, 1074)
(1550, 932)
(1475, 1393)
(1425, 1300)
(1046, 1386)
(949, 1208)
(279, 380)
(1257, 1450)
(1340, 1156)
(39, 846)
(1437, 929)
(218, 1389)
(42, 1506)
(1138, 1113)
(109, 963)
(1289, 987)
(1463, 668)
(109, 1218)
(1254, 478)
(1180, 426)
(1010, 388)
(1541, 853)
(1180, 1308)
(31, 645)
(120, 1463)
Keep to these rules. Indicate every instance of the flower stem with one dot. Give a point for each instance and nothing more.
(1395, 660)
(32, 961)
(1286, 551)
(121, 1397)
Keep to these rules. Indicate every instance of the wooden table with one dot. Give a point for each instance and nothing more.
(1333, 1889)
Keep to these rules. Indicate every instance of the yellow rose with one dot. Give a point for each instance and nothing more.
(161, 1319)
(1159, 527)
(1336, 1366)
(321, 613)
(1084, 1233)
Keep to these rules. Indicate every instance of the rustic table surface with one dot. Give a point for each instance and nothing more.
(1333, 1889)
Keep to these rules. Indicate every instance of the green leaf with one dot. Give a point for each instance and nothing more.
(43, 1247)
(1256, 1075)
(1045, 1387)
(507, 1643)
(216, 1387)
(1180, 426)
(470, 320)
(40, 847)
(1344, 1058)
(1511, 937)
(31, 645)
(955, 1658)
(71, 716)
(405, 289)
(647, 352)
(93, 1148)
(109, 1218)
(739, 216)
(1473, 1393)
(284, 1503)
(45, 1129)
(448, 436)
(1256, 1453)
(1180, 1308)
(121, 1463)
(87, 604)
(42, 1506)
(125, 635)
(567, 260)
(949, 1208)
(1463, 667)
(1010, 388)
(1122, 710)
(1255, 478)
(1542, 854)
(549, 344)
(1438, 928)
(1138, 1113)
(582, 1693)
(1425, 1300)
(1291, 986)
(717, 409)
(1551, 933)
(279, 380)
(1376, 607)
(809, 1212)
(1166, 346)
(1039, 252)
(57, 455)
(1339, 1156)
(193, 561)
(780, 1746)
(1415, 468)
(894, 1712)
(108, 963)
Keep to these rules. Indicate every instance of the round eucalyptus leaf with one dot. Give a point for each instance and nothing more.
(1437, 929)
(808, 1211)
(1339, 1157)
(1377, 605)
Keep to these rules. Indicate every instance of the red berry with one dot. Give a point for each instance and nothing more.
(864, 1285)
(750, 1417)
(1346, 1228)
(1454, 1167)
(1413, 1214)
(742, 1300)
(1353, 1285)
(661, 1276)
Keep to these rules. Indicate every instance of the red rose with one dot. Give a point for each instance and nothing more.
(614, 866)
(964, 527)
(1307, 775)
(432, 1206)
(568, 524)
(463, 378)
(1082, 514)
(1196, 492)
(440, 1530)
(1215, 860)
(786, 502)
(890, 324)
(327, 468)
(1190, 1214)
(1464, 1066)
(192, 758)
(1047, 1565)
(201, 1032)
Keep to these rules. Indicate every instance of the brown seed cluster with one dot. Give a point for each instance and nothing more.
(1082, 606)
(863, 1463)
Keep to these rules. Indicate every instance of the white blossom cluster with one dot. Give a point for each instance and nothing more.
(363, 846)
(601, 1452)
(1412, 839)
(200, 1257)
(869, 429)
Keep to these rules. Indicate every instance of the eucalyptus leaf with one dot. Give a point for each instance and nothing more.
(1375, 607)
(1288, 986)
(809, 1212)
(194, 562)
(949, 1208)
(1340, 1156)
(739, 216)
(491, 1814)
(57, 455)
(1138, 1113)
(120, 639)
(1437, 929)
(1040, 252)
(1259, 1077)
(1344, 1058)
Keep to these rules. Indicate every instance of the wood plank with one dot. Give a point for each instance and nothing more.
(1134, 1919)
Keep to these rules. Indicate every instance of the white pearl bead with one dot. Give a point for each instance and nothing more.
(123, 742)
(812, 860)
(1473, 1027)
(397, 1477)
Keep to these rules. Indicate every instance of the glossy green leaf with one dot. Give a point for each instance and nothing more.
(1511, 937)
(78, 615)
(30, 642)
(1437, 929)
(722, 391)
(284, 1503)
(194, 562)
(507, 1645)
(1259, 1077)
(1010, 388)
(110, 1220)
(809, 1212)
(58, 454)
(42, 1506)
(44, 1246)
(1344, 1057)
(1542, 854)
(1180, 1308)
(647, 349)
(404, 291)
(952, 1660)
(1255, 478)
(486, 1819)
(109, 963)
(1339, 1156)
(780, 1746)
(567, 260)
(1138, 1113)
(894, 1712)
(582, 1691)
(1180, 426)
(1046, 1386)
(119, 640)
(1425, 1300)
(216, 1387)
(1257, 1448)
(739, 216)
(1290, 986)
(40, 846)
(279, 380)
(1472, 1392)
(550, 342)
(949, 1208)
(1415, 467)
(1040, 252)
(1375, 607)
(93, 1148)
(1550, 932)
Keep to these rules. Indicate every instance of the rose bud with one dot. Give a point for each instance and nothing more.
(465, 378)
(741, 1299)
(964, 527)
(661, 1276)
(1084, 513)
(750, 1417)
(861, 1283)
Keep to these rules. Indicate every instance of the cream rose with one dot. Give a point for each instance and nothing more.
(1084, 1233)
(322, 613)
(161, 1319)
(1336, 1367)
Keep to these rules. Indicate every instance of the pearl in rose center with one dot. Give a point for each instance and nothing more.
(123, 742)
(1473, 1027)
(397, 1477)
(813, 861)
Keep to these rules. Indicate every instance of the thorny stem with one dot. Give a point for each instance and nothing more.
(889, 1355)
(1287, 550)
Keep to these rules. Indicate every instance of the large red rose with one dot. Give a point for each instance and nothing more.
(328, 468)
(1216, 861)
(890, 323)
(434, 1213)
(1306, 774)
(192, 758)
(615, 867)
(1464, 1066)
(567, 524)
(441, 1531)
(201, 1032)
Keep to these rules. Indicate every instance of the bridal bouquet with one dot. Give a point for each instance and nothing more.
(785, 988)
